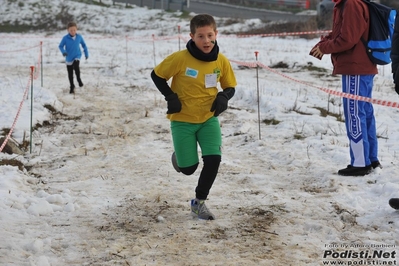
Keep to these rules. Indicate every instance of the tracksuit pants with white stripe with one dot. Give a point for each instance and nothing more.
(360, 120)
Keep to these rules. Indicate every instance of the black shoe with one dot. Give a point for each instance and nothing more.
(376, 164)
(80, 84)
(355, 171)
(72, 89)
(394, 203)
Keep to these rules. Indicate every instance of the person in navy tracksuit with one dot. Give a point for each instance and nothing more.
(70, 49)
(349, 59)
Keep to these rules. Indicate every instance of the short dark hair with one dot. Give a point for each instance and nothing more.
(202, 20)
(71, 24)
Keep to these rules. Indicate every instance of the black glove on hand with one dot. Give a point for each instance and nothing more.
(64, 54)
(174, 104)
(397, 88)
(220, 103)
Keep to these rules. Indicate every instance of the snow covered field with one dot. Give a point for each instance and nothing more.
(98, 187)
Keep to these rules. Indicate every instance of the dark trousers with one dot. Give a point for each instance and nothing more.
(71, 68)
(207, 176)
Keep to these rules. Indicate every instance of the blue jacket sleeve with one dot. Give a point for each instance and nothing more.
(84, 46)
(61, 46)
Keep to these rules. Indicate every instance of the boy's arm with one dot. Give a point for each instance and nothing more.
(161, 84)
(220, 104)
(61, 46)
(85, 50)
(228, 80)
(174, 104)
(229, 92)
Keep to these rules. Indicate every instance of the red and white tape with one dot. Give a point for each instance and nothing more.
(329, 91)
(20, 50)
(16, 117)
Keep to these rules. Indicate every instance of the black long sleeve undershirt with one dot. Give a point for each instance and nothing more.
(229, 92)
(161, 84)
(164, 88)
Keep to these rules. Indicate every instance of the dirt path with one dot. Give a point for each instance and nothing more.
(137, 213)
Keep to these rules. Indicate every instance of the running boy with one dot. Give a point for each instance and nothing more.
(194, 103)
(70, 49)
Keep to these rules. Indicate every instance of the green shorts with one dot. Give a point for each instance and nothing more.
(187, 136)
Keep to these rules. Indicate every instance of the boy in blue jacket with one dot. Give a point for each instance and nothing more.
(70, 49)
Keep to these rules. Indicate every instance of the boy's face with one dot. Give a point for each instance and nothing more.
(203, 37)
(72, 30)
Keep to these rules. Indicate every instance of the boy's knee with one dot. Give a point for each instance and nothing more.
(212, 159)
(189, 170)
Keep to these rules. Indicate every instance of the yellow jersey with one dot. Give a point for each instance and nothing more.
(195, 83)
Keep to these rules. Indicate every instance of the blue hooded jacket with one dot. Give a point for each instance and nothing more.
(72, 47)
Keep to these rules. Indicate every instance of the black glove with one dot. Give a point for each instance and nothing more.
(220, 103)
(174, 104)
(64, 54)
(397, 88)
